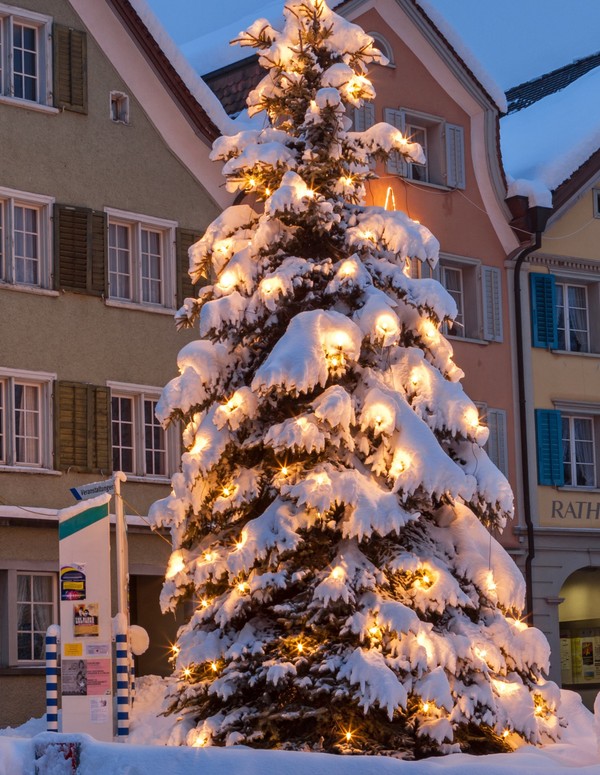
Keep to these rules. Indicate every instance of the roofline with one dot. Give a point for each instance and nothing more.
(165, 70)
(576, 182)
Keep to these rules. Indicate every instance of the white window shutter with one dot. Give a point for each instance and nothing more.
(455, 156)
(491, 280)
(396, 164)
(497, 446)
(364, 117)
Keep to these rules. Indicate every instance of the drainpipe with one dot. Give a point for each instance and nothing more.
(536, 219)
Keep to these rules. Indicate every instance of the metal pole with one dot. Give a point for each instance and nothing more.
(52, 678)
(122, 558)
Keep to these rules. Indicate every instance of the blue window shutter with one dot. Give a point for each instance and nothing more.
(543, 310)
(548, 431)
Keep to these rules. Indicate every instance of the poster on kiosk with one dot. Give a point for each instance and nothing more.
(85, 619)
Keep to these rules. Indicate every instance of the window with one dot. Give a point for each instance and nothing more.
(140, 445)
(24, 55)
(596, 197)
(566, 445)
(24, 239)
(382, 44)
(25, 419)
(452, 280)
(561, 316)
(443, 145)
(119, 107)
(477, 292)
(141, 260)
(496, 445)
(578, 451)
(572, 318)
(36, 611)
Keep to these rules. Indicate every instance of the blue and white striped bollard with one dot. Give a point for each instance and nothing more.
(52, 679)
(122, 685)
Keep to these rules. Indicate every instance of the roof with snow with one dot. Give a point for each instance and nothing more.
(544, 144)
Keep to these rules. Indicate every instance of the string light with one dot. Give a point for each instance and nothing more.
(200, 740)
(175, 566)
(425, 707)
(491, 584)
(386, 324)
(252, 182)
(200, 443)
(226, 280)
(348, 736)
(242, 586)
(187, 673)
(506, 733)
(472, 417)
(348, 268)
(400, 463)
(204, 603)
(284, 471)
(338, 573)
(300, 648)
(214, 667)
(429, 330)
(226, 492)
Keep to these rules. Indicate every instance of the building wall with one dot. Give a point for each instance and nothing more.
(567, 518)
(86, 161)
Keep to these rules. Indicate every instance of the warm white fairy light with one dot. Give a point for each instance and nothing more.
(346, 181)
(338, 573)
(472, 417)
(400, 140)
(226, 280)
(520, 625)
(300, 648)
(200, 740)
(240, 542)
(425, 707)
(209, 556)
(269, 285)
(233, 403)
(429, 329)
(175, 566)
(214, 667)
(309, 193)
(200, 443)
(400, 463)
(386, 325)
(187, 673)
(348, 268)
(242, 586)
(490, 583)
(224, 246)
(284, 470)
(204, 603)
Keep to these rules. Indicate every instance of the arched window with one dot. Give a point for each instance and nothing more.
(383, 46)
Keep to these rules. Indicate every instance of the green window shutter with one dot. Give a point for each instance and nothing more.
(79, 250)
(70, 68)
(548, 431)
(83, 425)
(185, 287)
(543, 310)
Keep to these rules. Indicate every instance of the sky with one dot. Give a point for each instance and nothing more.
(515, 40)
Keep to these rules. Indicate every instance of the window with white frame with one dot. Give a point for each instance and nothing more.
(25, 419)
(477, 291)
(497, 443)
(24, 238)
(572, 318)
(140, 445)
(119, 107)
(452, 280)
(443, 145)
(579, 456)
(141, 259)
(25, 55)
(36, 611)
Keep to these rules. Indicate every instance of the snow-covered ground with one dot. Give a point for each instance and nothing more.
(146, 752)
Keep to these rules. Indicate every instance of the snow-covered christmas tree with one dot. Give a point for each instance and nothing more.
(330, 520)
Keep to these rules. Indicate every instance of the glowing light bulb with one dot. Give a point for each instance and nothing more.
(242, 586)
(239, 544)
(200, 443)
(204, 603)
(429, 330)
(300, 648)
(415, 377)
(368, 235)
(175, 566)
(233, 403)
(378, 419)
(226, 492)
(520, 624)
(506, 733)
(491, 584)
(374, 631)
(426, 579)
(200, 741)
(175, 650)
(400, 139)
(472, 417)
(400, 463)
(347, 269)
(425, 707)
(321, 479)
(268, 191)
(209, 556)
(309, 193)
(302, 423)
(338, 573)
(386, 324)
(346, 181)
(252, 182)
(225, 246)
(187, 672)
(214, 667)
(270, 284)
(284, 471)
(348, 736)
(226, 280)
